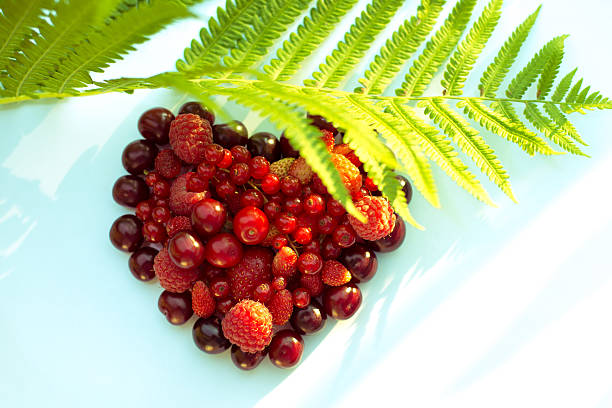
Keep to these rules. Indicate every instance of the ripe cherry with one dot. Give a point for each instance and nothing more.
(197, 109)
(186, 250)
(139, 156)
(141, 263)
(360, 261)
(310, 319)
(251, 225)
(130, 190)
(264, 144)
(175, 306)
(246, 361)
(154, 125)
(208, 335)
(208, 217)
(392, 241)
(286, 349)
(341, 302)
(223, 250)
(230, 134)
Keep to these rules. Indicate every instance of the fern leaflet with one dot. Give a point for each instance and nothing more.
(550, 72)
(544, 125)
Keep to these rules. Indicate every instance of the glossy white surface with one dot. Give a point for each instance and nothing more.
(490, 307)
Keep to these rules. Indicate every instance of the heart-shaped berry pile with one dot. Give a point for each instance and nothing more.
(241, 232)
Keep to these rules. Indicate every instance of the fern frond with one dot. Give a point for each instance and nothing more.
(468, 139)
(563, 124)
(399, 48)
(550, 72)
(400, 139)
(221, 35)
(440, 151)
(271, 22)
(563, 87)
(355, 44)
(310, 33)
(437, 50)
(462, 62)
(550, 130)
(500, 125)
(496, 72)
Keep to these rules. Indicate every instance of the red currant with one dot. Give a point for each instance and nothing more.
(326, 224)
(259, 167)
(251, 198)
(160, 202)
(344, 236)
(314, 204)
(334, 208)
(240, 154)
(310, 263)
(161, 215)
(226, 161)
(290, 186)
(154, 231)
(206, 170)
(143, 210)
(251, 225)
(152, 178)
(213, 153)
(239, 173)
(224, 306)
(270, 184)
(286, 223)
(262, 293)
(225, 189)
(313, 246)
(302, 235)
(220, 287)
(279, 283)
(196, 184)
(279, 241)
(301, 298)
(272, 209)
(161, 189)
(294, 205)
(186, 250)
(329, 250)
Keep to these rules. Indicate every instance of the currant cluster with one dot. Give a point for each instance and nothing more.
(242, 233)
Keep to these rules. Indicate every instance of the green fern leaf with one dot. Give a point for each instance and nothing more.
(563, 124)
(500, 125)
(462, 62)
(400, 47)
(496, 72)
(356, 43)
(563, 86)
(550, 72)
(469, 141)
(312, 31)
(221, 35)
(437, 50)
(440, 151)
(550, 130)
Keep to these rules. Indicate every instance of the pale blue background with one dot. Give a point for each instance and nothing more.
(488, 307)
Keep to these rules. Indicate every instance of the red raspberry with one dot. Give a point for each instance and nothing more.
(181, 200)
(248, 325)
(177, 224)
(301, 171)
(351, 177)
(380, 216)
(189, 135)
(167, 164)
(335, 274)
(253, 269)
(281, 307)
(202, 301)
(171, 277)
(347, 152)
(329, 139)
(312, 283)
(285, 263)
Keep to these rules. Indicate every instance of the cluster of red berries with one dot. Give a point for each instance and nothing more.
(241, 232)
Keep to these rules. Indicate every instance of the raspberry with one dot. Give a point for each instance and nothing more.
(335, 274)
(284, 263)
(351, 177)
(181, 200)
(349, 153)
(301, 171)
(177, 224)
(167, 164)
(281, 307)
(281, 167)
(171, 277)
(189, 135)
(248, 325)
(202, 301)
(328, 138)
(253, 269)
(312, 283)
(380, 218)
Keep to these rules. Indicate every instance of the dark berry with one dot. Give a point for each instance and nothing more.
(206, 170)
(211, 272)
(406, 187)
(208, 335)
(266, 145)
(208, 217)
(154, 125)
(344, 236)
(301, 298)
(286, 149)
(322, 123)
(246, 361)
(360, 261)
(294, 205)
(186, 250)
(262, 293)
(251, 225)
(175, 306)
(341, 302)
(196, 184)
(334, 208)
(160, 215)
(329, 250)
(144, 210)
(141, 263)
(286, 348)
(392, 241)
(230, 134)
(310, 263)
(161, 189)
(240, 154)
(197, 109)
(224, 306)
(326, 224)
(154, 232)
(130, 190)
(223, 250)
(152, 178)
(272, 209)
(126, 233)
(309, 320)
(313, 246)
(139, 156)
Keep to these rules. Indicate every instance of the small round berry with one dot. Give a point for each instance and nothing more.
(309, 320)
(186, 250)
(344, 236)
(314, 204)
(259, 167)
(141, 263)
(208, 335)
(153, 232)
(313, 246)
(126, 233)
(130, 190)
(310, 263)
(286, 148)
(226, 161)
(286, 349)
(152, 178)
(301, 298)
(318, 186)
(139, 156)
(160, 215)
(196, 184)
(329, 250)
(251, 198)
(196, 108)
(302, 235)
(239, 173)
(262, 293)
(143, 210)
(270, 184)
(326, 224)
(341, 302)
(161, 189)
(286, 223)
(210, 272)
(223, 250)
(290, 186)
(279, 241)
(266, 145)
(208, 217)
(240, 154)
(213, 153)
(406, 187)
(279, 283)
(294, 205)
(154, 125)
(251, 225)
(160, 202)
(334, 208)
(220, 177)
(230, 134)
(206, 170)
(225, 189)
(224, 306)
(360, 261)
(392, 241)
(175, 306)
(246, 361)
(220, 287)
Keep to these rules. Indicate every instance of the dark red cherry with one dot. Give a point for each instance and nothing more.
(309, 320)
(139, 156)
(322, 123)
(130, 190)
(223, 250)
(126, 233)
(208, 336)
(175, 306)
(230, 134)
(186, 250)
(286, 349)
(141, 263)
(286, 148)
(392, 241)
(406, 187)
(208, 217)
(264, 144)
(251, 225)
(246, 361)
(341, 302)
(360, 261)
(154, 125)
(197, 109)
(329, 250)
